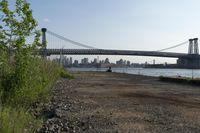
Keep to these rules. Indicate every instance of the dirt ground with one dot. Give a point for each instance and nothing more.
(122, 103)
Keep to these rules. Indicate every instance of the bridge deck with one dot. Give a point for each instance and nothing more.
(110, 52)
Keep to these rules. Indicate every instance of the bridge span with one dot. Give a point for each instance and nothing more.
(49, 52)
(184, 60)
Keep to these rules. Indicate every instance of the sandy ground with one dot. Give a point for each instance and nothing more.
(113, 102)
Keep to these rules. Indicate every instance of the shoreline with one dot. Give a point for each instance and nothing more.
(148, 71)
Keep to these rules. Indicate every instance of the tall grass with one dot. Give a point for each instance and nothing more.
(41, 76)
(35, 84)
(18, 120)
(16, 99)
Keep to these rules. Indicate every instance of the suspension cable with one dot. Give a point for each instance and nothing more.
(90, 47)
(70, 41)
(172, 46)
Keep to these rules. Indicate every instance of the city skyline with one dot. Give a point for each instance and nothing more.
(68, 61)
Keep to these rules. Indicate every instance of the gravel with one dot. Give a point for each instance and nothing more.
(110, 102)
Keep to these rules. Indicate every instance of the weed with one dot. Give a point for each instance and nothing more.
(18, 121)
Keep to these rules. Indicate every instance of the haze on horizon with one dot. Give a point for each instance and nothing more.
(122, 24)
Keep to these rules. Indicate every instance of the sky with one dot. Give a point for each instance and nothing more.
(122, 24)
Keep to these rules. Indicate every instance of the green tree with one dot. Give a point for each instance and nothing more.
(15, 54)
(17, 25)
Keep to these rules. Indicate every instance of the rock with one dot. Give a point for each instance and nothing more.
(58, 113)
(66, 129)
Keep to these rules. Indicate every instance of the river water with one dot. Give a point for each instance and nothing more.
(148, 71)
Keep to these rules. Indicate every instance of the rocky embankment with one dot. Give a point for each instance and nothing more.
(111, 102)
(59, 113)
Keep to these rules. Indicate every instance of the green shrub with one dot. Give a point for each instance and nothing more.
(65, 74)
(183, 80)
(36, 85)
(40, 77)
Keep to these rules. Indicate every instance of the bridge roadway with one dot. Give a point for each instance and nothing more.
(49, 52)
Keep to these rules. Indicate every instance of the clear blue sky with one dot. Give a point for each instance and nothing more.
(122, 24)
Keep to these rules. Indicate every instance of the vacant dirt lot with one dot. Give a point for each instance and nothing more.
(111, 102)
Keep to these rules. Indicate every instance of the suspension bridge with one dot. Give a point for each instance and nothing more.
(185, 60)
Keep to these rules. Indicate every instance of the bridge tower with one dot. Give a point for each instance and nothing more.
(196, 48)
(192, 60)
(193, 46)
(190, 49)
(44, 41)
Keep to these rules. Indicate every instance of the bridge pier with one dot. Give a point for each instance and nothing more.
(189, 62)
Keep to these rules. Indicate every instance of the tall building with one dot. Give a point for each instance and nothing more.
(95, 61)
(120, 62)
(107, 61)
(85, 61)
(128, 63)
(70, 61)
